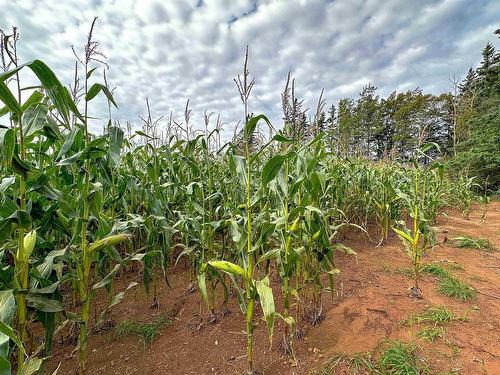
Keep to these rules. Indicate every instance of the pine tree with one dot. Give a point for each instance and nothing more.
(469, 83)
(489, 71)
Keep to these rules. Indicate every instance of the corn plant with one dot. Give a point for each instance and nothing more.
(420, 236)
(242, 236)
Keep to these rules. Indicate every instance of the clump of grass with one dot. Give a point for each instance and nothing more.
(436, 270)
(434, 314)
(358, 363)
(449, 285)
(401, 359)
(431, 333)
(452, 287)
(145, 331)
(473, 243)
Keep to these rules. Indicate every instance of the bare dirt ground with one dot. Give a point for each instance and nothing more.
(371, 304)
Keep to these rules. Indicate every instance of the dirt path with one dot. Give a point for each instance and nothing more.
(371, 305)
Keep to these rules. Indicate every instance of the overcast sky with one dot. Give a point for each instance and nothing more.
(171, 50)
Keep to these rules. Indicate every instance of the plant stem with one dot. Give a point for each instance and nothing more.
(85, 267)
(248, 283)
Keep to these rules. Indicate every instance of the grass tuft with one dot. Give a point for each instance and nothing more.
(436, 270)
(473, 243)
(434, 314)
(431, 333)
(449, 285)
(452, 287)
(401, 359)
(146, 331)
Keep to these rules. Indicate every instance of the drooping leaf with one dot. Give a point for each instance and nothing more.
(267, 303)
(96, 89)
(252, 124)
(8, 99)
(115, 144)
(271, 168)
(7, 145)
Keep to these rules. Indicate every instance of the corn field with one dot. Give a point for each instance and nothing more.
(77, 208)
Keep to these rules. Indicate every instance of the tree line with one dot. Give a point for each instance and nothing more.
(464, 123)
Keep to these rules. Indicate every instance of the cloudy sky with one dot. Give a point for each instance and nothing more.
(171, 50)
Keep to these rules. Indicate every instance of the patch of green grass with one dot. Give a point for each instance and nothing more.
(473, 243)
(436, 270)
(431, 333)
(434, 314)
(452, 287)
(449, 285)
(145, 331)
(401, 359)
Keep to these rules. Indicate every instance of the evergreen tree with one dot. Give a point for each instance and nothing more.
(384, 133)
(489, 71)
(367, 110)
(346, 123)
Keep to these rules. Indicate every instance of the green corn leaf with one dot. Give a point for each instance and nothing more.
(7, 146)
(115, 144)
(271, 169)
(108, 278)
(7, 313)
(96, 89)
(42, 303)
(9, 100)
(252, 124)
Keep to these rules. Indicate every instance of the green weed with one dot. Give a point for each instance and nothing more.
(435, 314)
(145, 331)
(452, 287)
(401, 359)
(436, 270)
(473, 243)
(431, 333)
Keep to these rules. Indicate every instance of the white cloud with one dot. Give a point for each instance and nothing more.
(170, 51)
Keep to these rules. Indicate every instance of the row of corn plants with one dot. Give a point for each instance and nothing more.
(76, 207)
